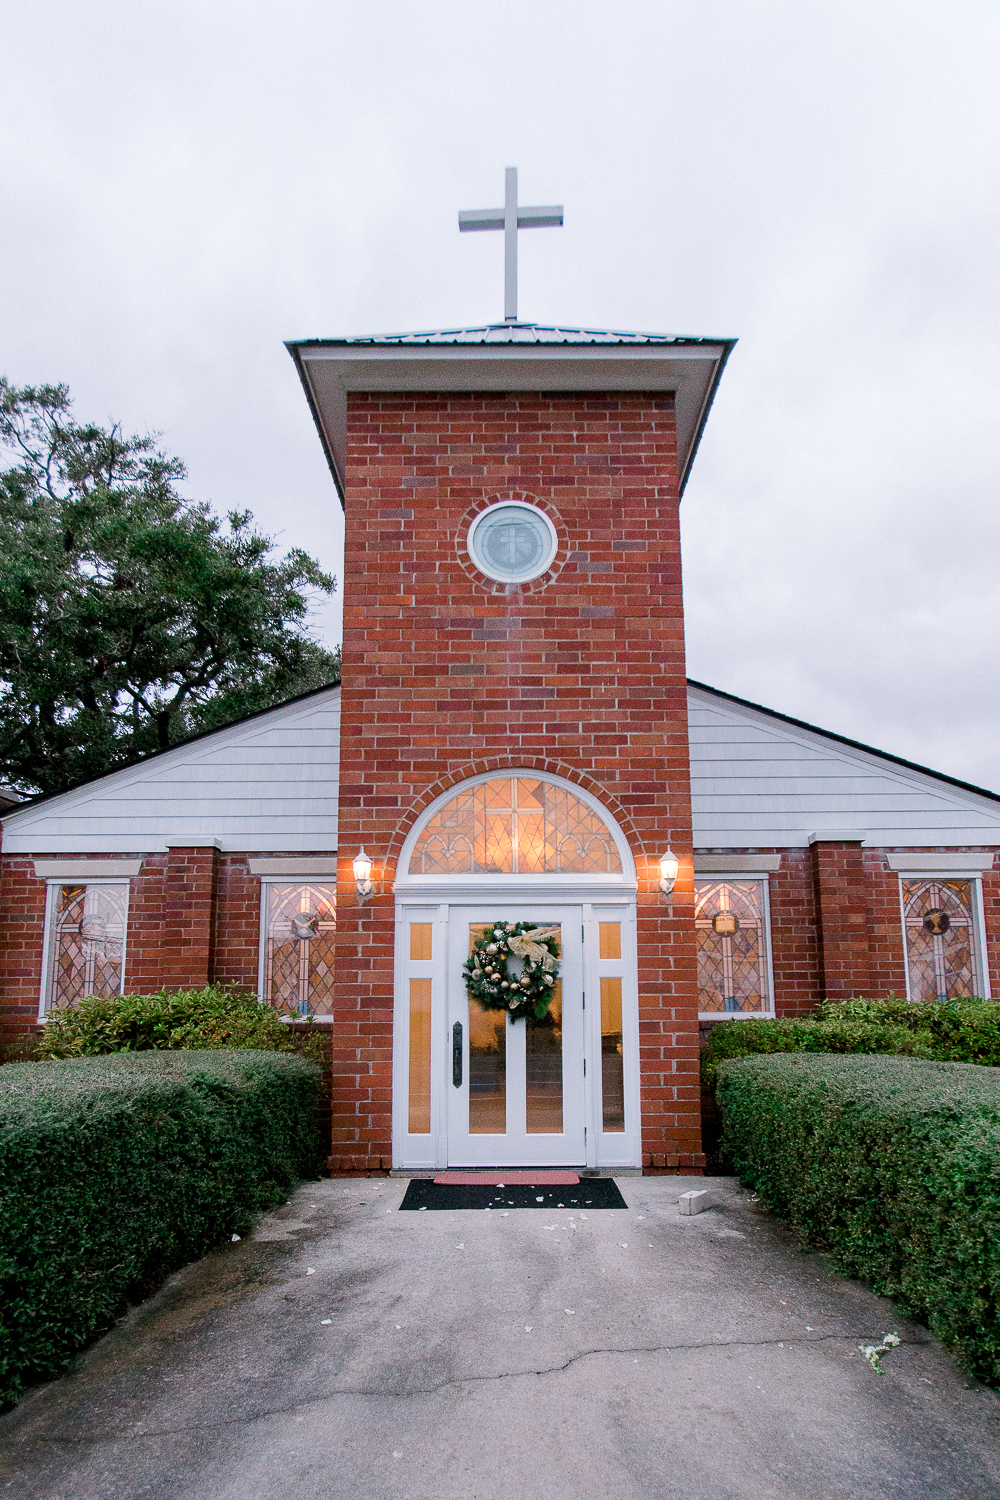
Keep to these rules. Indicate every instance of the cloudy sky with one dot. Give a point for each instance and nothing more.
(186, 185)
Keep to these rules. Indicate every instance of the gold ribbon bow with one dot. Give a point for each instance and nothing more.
(530, 946)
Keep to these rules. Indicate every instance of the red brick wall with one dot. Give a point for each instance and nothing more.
(858, 884)
(794, 937)
(842, 919)
(189, 917)
(22, 927)
(237, 927)
(991, 905)
(446, 675)
(887, 953)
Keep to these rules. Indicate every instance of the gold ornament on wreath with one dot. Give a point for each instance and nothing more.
(514, 967)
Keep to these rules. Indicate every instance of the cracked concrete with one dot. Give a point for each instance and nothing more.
(636, 1353)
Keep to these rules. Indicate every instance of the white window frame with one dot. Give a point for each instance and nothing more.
(980, 960)
(745, 877)
(53, 885)
(297, 878)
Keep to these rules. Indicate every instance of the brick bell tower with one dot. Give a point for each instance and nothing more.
(449, 673)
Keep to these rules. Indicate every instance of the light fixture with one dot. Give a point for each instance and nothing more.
(668, 872)
(362, 875)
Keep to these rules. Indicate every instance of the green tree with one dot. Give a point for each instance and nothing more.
(130, 617)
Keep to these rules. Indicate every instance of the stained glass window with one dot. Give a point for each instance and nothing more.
(515, 826)
(87, 951)
(732, 962)
(300, 931)
(940, 939)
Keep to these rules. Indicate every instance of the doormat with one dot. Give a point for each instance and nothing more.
(595, 1193)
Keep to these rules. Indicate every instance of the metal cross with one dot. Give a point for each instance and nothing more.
(510, 219)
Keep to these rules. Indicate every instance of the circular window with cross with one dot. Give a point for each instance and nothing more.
(512, 542)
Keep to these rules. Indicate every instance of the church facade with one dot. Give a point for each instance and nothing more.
(515, 748)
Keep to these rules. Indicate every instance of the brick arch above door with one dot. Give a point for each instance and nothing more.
(609, 805)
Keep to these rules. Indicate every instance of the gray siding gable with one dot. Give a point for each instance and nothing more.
(758, 782)
(268, 783)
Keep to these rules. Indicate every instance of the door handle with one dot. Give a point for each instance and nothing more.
(456, 1054)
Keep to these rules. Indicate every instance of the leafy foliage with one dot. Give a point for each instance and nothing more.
(949, 1031)
(170, 1020)
(116, 1170)
(129, 616)
(893, 1164)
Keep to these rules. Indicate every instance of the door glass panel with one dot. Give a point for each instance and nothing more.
(612, 1066)
(543, 1044)
(487, 1062)
(420, 940)
(420, 1055)
(610, 939)
(487, 1070)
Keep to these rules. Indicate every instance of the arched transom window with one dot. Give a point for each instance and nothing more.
(515, 825)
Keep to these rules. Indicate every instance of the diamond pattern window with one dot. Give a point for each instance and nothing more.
(732, 947)
(300, 926)
(515, 825)
(940, 928)
(86, 942)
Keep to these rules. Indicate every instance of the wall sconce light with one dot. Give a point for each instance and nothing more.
(362, 875)
(668, 872)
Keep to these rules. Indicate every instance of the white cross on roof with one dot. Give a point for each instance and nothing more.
(510, 219)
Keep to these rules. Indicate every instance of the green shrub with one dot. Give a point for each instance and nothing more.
(892, 1163)
(948, 1031)
(116, 1170)
(209, 1018)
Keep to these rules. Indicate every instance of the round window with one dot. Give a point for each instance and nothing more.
(512, 542)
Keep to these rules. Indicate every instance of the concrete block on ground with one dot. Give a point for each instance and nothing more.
(696, 1201)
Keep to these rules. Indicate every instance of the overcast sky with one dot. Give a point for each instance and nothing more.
(186, 185)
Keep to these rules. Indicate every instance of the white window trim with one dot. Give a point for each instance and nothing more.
(959, 865)
(296, 879)
(86, 871)
(743, 877)
(53, 885)
(979, 956)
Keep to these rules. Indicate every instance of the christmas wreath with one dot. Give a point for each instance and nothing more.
(513, 967)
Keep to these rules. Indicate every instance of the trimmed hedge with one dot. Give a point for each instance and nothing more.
(207, 1018)
(947, 1031)
(116, 1170)
(891, 1163)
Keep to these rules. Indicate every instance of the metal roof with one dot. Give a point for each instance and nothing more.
(509, 357)
(514, 333)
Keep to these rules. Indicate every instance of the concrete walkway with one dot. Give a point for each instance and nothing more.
(436, 1355)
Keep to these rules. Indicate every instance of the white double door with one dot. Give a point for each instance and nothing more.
(516, 1089)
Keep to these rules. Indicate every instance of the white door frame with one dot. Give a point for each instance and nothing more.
(430, 1150)
(431, 898)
